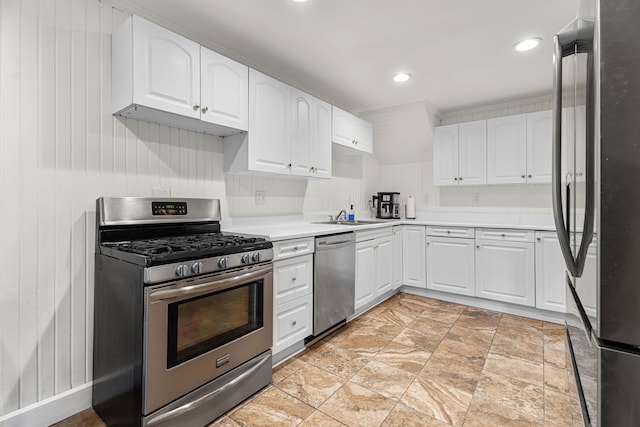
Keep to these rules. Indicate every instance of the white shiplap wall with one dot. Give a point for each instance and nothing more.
(60, 149)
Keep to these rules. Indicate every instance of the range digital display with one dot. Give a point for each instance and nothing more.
(169, 208)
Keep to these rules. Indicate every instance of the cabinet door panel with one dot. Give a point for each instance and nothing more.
(451, 265)
(365, 273)
(472, 153)
(292, 278)
(550, 273)
(413, 256)
(445, 155)
(539, 147)
(224, 90)
(507, 150)
(343, 128)
(505, 272)
(384, 261)
(292, 322)
(322, 146)
(269, 124)
(397, 257)
(167, 68)
(302, 153)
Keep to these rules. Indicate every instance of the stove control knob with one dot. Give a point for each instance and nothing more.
(257, 257)
(182, 270)
(223, 262)
(196, 267)
(246, 259)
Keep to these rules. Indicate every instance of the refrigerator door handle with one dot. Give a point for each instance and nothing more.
(577, 37)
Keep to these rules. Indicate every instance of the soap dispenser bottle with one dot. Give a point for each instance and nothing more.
(352, 214)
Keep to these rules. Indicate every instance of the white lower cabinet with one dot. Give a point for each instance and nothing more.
(451, 260)
(550, 273)
(413, 256)
(396, 248)
(292, 292)
(292, 322)
(505, 266)
(373, 266)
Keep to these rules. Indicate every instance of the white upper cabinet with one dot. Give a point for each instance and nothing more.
(311, 145)
(539, 147)
(289, 132)
(459, 154)
(352, 132)
(157, 76)
(445, 155)
(507, 150)
(224, 92)
(270, 127)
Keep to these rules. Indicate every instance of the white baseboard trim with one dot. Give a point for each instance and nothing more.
(51, 410)
(503, 307)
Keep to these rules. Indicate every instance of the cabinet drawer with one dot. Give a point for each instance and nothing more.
(292, 278)
(292, 322)
(506, 235)
(463, 232)
(294, 247)
(361, 236)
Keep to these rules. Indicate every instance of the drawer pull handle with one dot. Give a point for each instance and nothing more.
(295, 248)
(503, 235)
(448, 231)
(293, 279)
(293, 323)
(477, 246)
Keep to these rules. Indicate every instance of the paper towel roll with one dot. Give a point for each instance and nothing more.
(410, 208)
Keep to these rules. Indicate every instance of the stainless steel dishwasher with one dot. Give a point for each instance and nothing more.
(334, 283)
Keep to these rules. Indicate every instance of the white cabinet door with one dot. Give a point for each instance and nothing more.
(292, 322)
(269, 124)
(413, 256)
(311, 144)
(167, 70)
(507, 150)
(384, 265)
(550, 273)
(472, 153)
(292, 278)
(505, 271)
(539, 147)
(322, 142)
(445, 155)
(365, 273)
(224, 90)
(302, 152)
(397, 256)
(351, 131)
(451, 265)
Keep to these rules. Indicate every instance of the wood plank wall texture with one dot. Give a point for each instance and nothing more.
(60, 149)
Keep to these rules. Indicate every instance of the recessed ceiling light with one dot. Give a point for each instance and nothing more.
(527, 44)
(299, 1)
(401, 77)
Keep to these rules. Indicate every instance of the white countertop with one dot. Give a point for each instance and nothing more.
(298, 226)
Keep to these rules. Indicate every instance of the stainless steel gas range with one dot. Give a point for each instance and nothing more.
(183, 313)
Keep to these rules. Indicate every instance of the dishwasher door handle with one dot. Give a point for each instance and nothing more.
(335, 244)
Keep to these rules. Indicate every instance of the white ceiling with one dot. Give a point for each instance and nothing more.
(345, 51)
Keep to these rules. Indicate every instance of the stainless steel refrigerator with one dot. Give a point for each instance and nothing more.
(596, 200)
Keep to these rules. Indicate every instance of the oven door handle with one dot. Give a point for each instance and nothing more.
(210, 285)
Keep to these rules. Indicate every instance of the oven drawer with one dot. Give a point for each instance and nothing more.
(292, 278)
(292, 322)
(294, 247)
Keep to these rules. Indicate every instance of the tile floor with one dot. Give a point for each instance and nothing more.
(414, 361)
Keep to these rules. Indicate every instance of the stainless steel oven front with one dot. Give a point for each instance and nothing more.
(197, 330)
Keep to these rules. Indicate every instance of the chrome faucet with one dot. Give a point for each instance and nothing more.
(342, 213)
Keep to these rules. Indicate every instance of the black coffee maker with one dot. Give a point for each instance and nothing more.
(387, 205)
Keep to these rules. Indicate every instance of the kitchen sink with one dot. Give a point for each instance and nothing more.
(356, 222)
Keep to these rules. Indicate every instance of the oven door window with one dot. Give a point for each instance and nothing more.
(201, 324)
